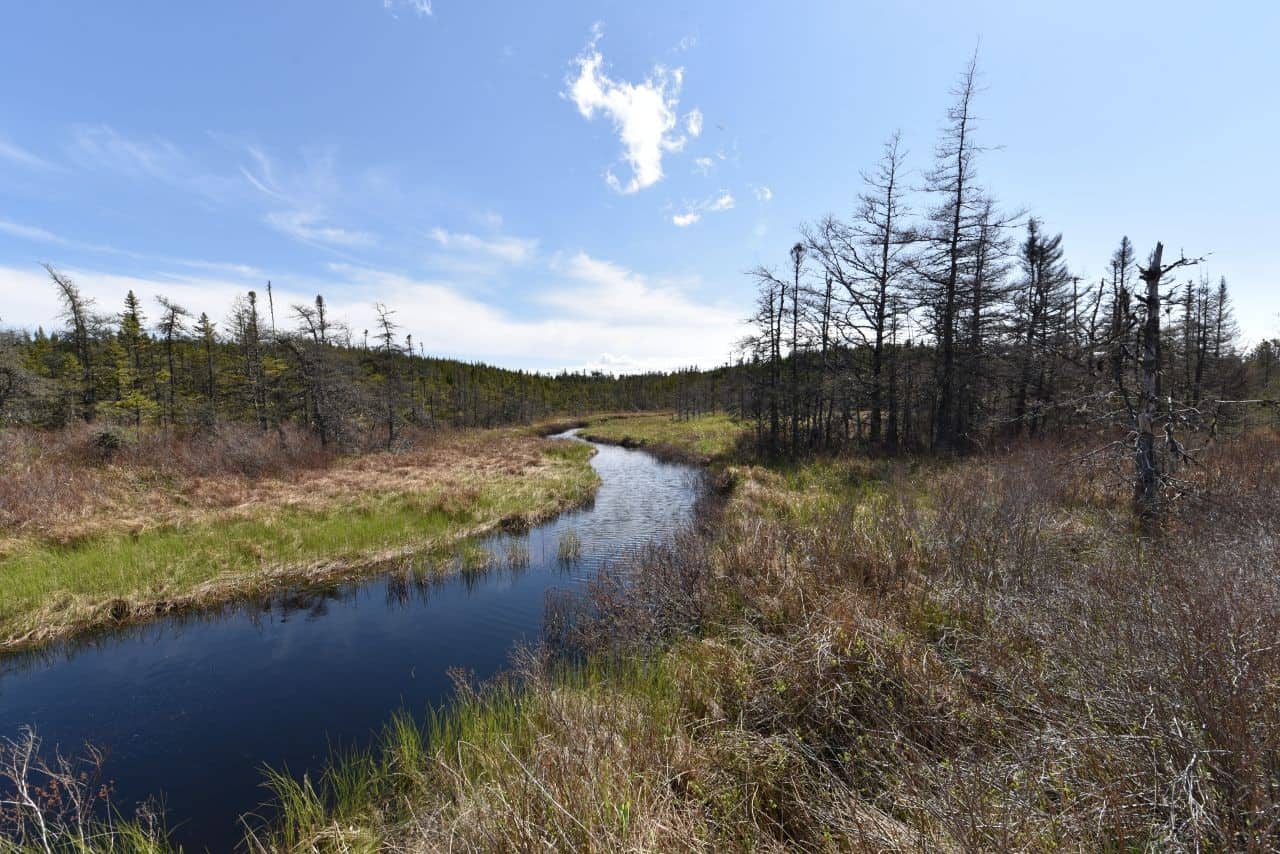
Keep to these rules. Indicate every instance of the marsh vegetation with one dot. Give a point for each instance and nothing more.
(94, 542)
(990, 563)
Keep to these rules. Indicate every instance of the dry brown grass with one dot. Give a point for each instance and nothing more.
(58, 487)
(148, 539)
(978, 656)
(850, 655)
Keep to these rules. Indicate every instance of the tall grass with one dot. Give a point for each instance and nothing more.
(859, 655)
(52, 588)
(981, 655)
(699, 439)
(56, 803)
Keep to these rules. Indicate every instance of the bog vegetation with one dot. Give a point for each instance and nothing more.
(88, 543)
(994, 565)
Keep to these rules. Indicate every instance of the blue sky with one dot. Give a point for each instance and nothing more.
(583, 184)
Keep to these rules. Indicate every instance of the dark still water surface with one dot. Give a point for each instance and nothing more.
(192, 708)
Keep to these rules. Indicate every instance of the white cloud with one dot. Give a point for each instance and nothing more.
(17, 154)
(513, 250)
(644, 114)
(764, 194)
(603, 290)
(693, 213)
(30, 232)
(36, 234)
(101, 147)
(597, 314)
(693, 122)
(310, 227)
(723, 203)
(309, 191)
(421, 7)
(703, 165)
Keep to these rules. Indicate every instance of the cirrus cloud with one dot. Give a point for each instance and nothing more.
(513, 250)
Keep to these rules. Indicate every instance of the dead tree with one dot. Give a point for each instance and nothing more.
(1149, 475)
(78, 311)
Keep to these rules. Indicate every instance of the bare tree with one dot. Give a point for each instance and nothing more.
(77, 310)
(390, 379)
(947, 242)
(867, 259)
(1149, 477)
(797, 264)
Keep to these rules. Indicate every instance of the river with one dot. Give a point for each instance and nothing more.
(191, 708)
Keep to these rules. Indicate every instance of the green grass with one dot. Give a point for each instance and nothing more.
(483, 740)
(51, 590)
(889, 657)
(705, 437)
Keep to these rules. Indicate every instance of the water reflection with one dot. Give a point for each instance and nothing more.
(194, 704)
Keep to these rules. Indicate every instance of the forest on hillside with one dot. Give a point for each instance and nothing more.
(269, 366)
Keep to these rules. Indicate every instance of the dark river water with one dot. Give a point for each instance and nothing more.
(191, 708)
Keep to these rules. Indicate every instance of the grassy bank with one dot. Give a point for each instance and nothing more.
(846, 657)
(147, 543)
(854, 660)
(701, 439)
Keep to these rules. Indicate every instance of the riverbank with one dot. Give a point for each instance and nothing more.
(851, 659)
(147, 542)
(698, 440)
(846, 657)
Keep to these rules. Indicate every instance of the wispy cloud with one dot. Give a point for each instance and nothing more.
(15, 153)
(308, 194)
(644, 114)
(310, 227)
(29, 232)
(764, 194)
(693, 122)
(693, 212)
(36, 234)
(419, 7)
(703, 165)
(101, 148)
(597, 313)
(513, 250)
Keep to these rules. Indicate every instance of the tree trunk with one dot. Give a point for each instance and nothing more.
(1146, 491)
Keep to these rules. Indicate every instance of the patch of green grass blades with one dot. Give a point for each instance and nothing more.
(364, 800)
(52, 588)
(702, 437)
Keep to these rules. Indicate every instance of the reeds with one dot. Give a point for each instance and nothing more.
(874, 656)
(569, 547)
(980, 655)
(324, 525)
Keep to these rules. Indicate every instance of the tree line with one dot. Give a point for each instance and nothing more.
(934, 319)
(163, 366)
